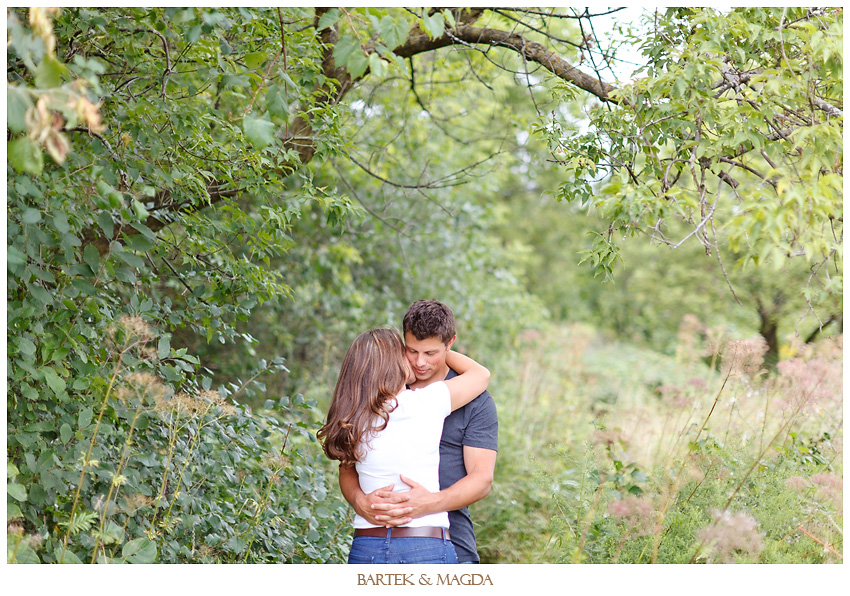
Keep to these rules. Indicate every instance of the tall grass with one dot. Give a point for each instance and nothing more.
(611, 454)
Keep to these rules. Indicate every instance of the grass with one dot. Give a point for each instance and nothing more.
(609, 453)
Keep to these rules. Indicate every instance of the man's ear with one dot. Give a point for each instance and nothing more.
(451, 341)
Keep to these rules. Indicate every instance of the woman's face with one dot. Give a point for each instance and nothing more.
(409, 374)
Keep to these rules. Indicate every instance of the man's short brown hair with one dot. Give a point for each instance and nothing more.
(430, 318)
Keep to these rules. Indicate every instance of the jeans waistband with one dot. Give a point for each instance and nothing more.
(405, 532)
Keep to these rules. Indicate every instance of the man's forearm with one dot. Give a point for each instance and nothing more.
(464, 492)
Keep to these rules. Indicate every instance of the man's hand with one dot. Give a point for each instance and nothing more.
(387, 503)
(396, 509)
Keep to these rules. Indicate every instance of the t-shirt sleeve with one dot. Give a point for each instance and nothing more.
(483, 428)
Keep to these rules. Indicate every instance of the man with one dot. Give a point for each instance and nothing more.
(467, 448)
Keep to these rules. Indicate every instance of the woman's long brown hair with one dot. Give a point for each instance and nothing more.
(372, 373)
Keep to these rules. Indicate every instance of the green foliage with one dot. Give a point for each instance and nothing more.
(719, 134)
(600, 464)
(123, 450)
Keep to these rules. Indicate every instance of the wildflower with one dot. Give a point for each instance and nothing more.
(185, 404)
(744, 357)
(215, 398)
(730, 535)
(715, 343)
(607, 437)
(38, 120)
(696, 473)
(205, 551)
(812, 381)
(697, 383)
(829, 488)
(137, 501)
(688, 335)
(275, 461)
(636, 512)
(669, 392)
(39, 18)
(689, 328)
(136, 327)
(797, 483)
(34, 541)
(88, 113)
(15, 529)
(143, 384)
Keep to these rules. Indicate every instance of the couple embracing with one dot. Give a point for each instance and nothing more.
(416, 435)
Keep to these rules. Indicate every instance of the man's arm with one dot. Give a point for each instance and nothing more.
(480, 466)
(349, 484)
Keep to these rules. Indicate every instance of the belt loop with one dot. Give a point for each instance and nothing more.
(389, 534)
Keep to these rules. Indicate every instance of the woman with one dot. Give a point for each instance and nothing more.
(383, 429)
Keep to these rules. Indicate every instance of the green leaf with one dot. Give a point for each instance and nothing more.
(85, 418)
(450, 18)
(328, 19)
(65, 433)
(15, 257)
(144, 230)
(276, 102)
(60, 222)
(254, 59)
(140, 550)
(434, 25)
(141, 213)
(104, 220)
(40, 294)
(233, 80)
(68, 558)
(16, 491)
(23, 554)
(138, 242)
(357, 64)
(225, 47)
(394, 31)
(163, 349)
(92, 257)
(193, 34)
(259, 131)
(31, 216)
(17, 103)
(376, 64)
(131, 259)
(53, 380)
(25, 156)
(13, 512)
(81, 384)
(26, 346)
(344, 48)
(49, 73)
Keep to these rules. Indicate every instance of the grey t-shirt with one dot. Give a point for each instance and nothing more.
(473, 425)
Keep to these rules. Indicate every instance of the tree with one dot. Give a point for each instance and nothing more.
(735, 130)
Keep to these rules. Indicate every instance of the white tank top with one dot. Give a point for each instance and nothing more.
(409, 445)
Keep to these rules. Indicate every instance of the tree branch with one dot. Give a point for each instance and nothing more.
(419, 42)
(300, 135)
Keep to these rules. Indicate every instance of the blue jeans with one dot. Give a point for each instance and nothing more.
(371, 549)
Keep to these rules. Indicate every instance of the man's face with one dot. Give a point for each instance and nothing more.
(427, 356)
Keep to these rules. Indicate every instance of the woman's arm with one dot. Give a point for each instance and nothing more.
(471, 381)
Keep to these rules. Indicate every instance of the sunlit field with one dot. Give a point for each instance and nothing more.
(611, 454)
